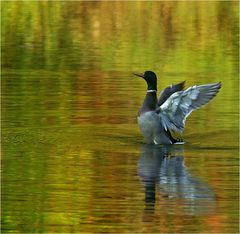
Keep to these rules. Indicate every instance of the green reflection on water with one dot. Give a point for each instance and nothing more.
(69, 103)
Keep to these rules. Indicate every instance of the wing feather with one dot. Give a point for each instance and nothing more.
(166, 93)
(174, 111)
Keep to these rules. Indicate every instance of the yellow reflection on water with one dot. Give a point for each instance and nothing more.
(71, 144)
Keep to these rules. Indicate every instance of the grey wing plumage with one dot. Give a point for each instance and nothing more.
(166, 93)
(179, 105)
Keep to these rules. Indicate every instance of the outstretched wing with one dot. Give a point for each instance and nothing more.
(166, 93)
(179, 105)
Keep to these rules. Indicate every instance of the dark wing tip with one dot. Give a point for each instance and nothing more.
(183, 84)
(218, 85)
(179, 86)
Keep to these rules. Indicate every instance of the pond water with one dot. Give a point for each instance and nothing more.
(73, 159)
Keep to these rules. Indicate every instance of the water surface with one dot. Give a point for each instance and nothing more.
(73, 159)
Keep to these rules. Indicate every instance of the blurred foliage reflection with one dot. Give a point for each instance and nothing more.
(70, 141)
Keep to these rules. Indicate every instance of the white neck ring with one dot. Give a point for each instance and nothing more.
(151, 91)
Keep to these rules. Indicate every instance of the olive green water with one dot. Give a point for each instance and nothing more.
(73, 159)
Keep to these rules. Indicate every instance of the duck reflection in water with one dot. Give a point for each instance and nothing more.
(162, 167)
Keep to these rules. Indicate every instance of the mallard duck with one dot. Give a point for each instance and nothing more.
(158, 117)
